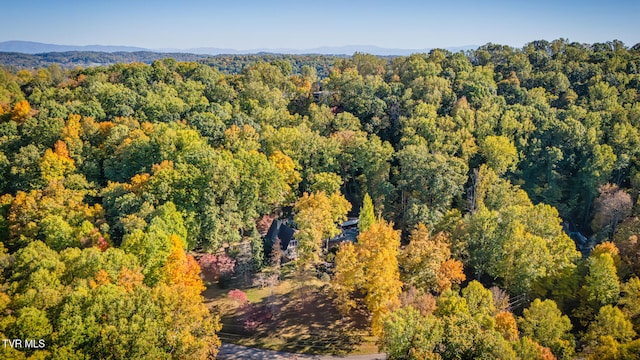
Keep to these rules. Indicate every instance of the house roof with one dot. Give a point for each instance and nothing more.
(279, 229)
(350, 222)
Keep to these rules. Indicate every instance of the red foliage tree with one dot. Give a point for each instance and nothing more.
(238, 296)
(215, 267)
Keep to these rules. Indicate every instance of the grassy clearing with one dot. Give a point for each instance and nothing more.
(297, 315)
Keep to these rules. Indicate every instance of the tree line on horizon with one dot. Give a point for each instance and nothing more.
(227, 64)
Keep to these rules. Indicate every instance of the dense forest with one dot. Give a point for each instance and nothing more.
(497, 192)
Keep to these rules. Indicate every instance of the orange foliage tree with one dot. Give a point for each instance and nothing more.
(191, 328)
(427, 262)
(20, 111)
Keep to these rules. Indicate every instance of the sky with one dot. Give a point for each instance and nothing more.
(303, 24)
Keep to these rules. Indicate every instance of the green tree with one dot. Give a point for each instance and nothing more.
(34, 279)
(367, 215)
(518, 243)
(610, 324)
(329, 183)
(407, 335)
(501, 154)
(479, 300)
(31, 323)
(261, 188)
(152, 245)
(601, 286)
(429, 182)
(543, 322)
(630, 301)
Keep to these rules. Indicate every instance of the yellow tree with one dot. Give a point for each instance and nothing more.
(378, 255)
(56, 215)
(56, 164)
(20, 111)
(71, 134)
(506, 325)
(245, 137)
(610, 248)
(287, 169)
(191, 328)
(182, 269)
(371, 267)
(317, 216)
(348, 277)
(501, 154)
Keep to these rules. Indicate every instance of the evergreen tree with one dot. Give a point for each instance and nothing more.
(367, 215)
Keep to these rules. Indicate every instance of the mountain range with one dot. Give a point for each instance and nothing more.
(29, 47)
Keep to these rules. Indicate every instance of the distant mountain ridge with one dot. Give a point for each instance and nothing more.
(30, 47)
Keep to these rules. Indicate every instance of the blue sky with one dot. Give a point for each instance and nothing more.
(306, 24)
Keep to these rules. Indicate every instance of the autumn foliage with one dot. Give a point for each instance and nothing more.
(239, 296)
(427, 262)
(215, 266)
(518, 167)
(317, 216)
(370, 266)
(180, 292)
(20, 111)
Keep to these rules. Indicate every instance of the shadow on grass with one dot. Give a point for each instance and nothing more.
(304, 320)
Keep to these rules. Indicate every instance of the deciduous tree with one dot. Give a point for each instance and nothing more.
(544, 323)
(349, 276)
(378, 254)
(500, 153)
(20, 111)
(611, 207)
(610, 324)
(427, 262)
(408, 335)
(317, 216)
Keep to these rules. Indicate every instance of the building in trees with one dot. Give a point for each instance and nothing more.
(280, 232)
